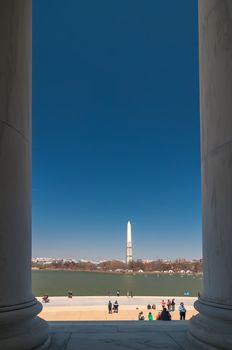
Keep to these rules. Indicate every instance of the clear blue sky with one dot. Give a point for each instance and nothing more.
(116, 128)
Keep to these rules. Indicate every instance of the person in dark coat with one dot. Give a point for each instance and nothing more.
(169, 304)
(173, 304)
(165, 315)
(110, 307)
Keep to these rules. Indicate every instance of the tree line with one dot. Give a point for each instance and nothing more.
(163, 266)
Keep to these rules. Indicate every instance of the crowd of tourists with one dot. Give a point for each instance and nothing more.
(165, 313)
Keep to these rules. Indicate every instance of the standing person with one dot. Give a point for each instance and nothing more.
(173, 304)
(110, 307)
(182, 311)
(150, 316)
(169, 304)
(118, 293)
(163, 304)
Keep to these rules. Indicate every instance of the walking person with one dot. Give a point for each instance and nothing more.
(182, 311)
(110, 307)
(173, 304)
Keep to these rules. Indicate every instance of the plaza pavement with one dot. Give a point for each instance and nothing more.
(95, 308)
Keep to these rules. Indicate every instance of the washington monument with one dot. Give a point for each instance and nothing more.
(129, 244)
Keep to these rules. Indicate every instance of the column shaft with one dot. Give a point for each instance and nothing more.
(212, 327)
(20, 328)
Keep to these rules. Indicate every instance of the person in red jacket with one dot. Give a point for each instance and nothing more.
(163, 304)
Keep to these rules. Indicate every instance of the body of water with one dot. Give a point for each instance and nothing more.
(57, 283)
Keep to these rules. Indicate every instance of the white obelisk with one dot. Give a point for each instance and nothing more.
(129, 244)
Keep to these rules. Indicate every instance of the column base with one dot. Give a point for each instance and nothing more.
(211, 328)
(22, 329)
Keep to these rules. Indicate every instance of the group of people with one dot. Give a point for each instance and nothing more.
(45, 297)
(165, 314)
(170, 304)
(113, 307)
(171, 307)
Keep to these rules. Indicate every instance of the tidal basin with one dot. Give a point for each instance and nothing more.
(57, 283)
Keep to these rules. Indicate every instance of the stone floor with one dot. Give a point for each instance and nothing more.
(119, 335)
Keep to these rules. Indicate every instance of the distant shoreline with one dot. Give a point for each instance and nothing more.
(124, 272)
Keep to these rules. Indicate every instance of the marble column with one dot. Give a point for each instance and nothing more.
(212, 328)
(20, 327)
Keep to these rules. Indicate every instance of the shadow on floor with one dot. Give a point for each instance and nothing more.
(119, 335)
